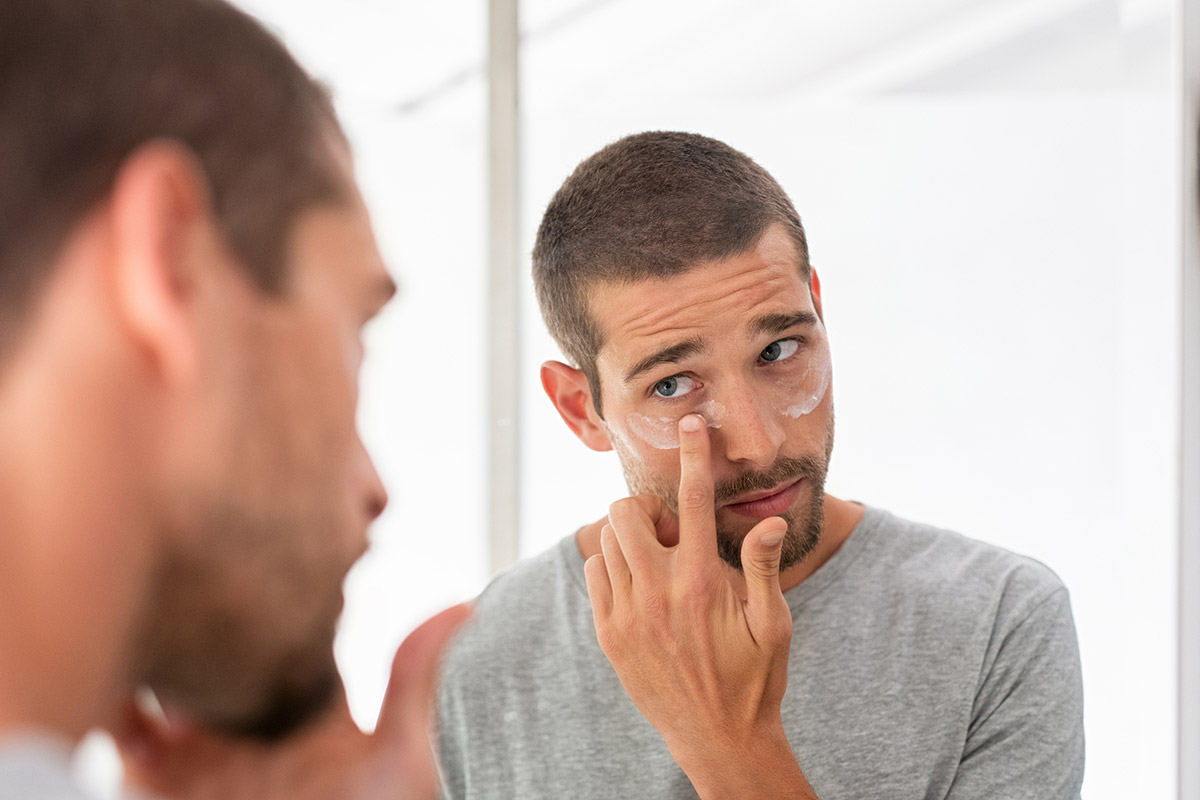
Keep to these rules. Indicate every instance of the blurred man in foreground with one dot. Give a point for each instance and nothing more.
(186, 266)
(732, 630)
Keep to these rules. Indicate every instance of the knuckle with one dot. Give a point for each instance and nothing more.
(657, 605)
(694, 595)
(781, 630)
(763, 562)
(609, 640)
(694, 498)
(649, 505)
(694, 589)
(595, 572)
(778, 628)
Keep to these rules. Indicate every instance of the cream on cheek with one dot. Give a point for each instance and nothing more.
(801, 395)
(662, 433)
(792, 397)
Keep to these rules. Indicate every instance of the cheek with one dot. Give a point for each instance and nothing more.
(662, 432)
(328, 361)
(810, 433)
(649, 470)
(658, 433)
(801, 394)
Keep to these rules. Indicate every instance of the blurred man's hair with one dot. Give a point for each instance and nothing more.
(651, 205)
(83, 83)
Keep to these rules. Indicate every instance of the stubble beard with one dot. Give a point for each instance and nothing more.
(804, 528)
(208, 649)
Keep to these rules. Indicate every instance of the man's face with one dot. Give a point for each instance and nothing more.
(740, 342)
(266, 518)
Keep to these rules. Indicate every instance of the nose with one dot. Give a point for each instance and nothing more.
(375, 496)
(751, 433)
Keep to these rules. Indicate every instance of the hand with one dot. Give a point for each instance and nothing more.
(331, 758)
(702, 659)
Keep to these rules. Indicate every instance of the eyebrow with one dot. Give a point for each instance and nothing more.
(668, 355)
(767, 323)
(778, 323)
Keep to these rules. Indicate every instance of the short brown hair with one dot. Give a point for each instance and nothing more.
(83, 83)
(651, 205)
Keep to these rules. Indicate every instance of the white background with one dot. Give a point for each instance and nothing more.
(988, 191)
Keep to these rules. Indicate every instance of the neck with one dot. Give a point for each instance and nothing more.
(838, 523)
(70, 546)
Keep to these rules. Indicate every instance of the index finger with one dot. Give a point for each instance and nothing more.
(697, 516)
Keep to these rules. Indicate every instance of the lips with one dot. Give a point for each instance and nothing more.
(767, 503)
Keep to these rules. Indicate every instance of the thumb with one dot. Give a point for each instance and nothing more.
(760, 564)
(407, 705)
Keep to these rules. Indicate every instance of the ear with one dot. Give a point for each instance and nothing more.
(567, 387)
(816, 293)
(162, 225)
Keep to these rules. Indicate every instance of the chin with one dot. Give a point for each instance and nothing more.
(288, 706)
(246, 676)
(803, 534)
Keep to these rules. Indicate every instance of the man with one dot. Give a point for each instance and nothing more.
(732, 631)
(185, 269)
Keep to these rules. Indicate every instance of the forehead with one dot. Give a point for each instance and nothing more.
(713, 301)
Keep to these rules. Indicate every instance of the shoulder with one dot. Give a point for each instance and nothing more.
(956, 574)
(523, 610)
(1001, 628)
(529, 635)
(519, 590)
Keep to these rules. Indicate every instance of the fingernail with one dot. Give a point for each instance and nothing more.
(773, 537)
(691, 423)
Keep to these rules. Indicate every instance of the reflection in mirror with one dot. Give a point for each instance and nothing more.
(988, 191)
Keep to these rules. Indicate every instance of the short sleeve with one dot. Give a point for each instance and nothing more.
(1026, 735)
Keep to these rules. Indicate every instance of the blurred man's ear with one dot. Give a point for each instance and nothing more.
(816, 293)
(162, 236)
(567, 387)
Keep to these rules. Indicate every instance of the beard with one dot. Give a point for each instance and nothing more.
(803, 522)
(239, 633)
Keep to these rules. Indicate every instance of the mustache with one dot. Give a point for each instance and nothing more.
(784, 470)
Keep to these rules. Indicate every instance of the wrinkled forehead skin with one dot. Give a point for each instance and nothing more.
(715, 300)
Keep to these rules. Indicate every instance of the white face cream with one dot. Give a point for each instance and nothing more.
(662, 433)
(803, 395)
(791, 397)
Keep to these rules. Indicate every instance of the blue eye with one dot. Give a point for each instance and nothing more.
(674, 386)
(778, 351)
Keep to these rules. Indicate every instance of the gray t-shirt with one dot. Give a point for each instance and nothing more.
(36, 767)
(923, 665)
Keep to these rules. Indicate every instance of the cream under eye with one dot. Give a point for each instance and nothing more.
(805, 386)
(662, 432)
(674, 386)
